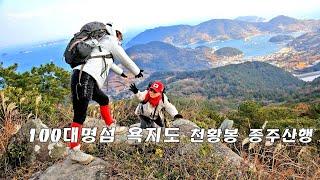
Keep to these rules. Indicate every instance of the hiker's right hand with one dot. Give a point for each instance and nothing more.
(134, 88)
(140, 74)
(124, 75)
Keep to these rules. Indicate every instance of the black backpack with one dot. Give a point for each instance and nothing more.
(77, 51)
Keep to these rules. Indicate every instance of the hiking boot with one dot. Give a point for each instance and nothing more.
(77, 155)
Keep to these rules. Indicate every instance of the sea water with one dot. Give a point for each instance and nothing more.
(29, 56)
(258, 45)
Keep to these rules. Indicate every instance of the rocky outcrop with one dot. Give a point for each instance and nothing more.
(21, 149)
(67, 170)
(220, 149)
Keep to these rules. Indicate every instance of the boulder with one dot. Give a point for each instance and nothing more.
(20, 147)
(181, 122)
(185, 126)
(67, 169)
(220, 149)
(226, 124)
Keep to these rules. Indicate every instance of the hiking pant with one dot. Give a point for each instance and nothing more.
(146, 122)
(83, 93)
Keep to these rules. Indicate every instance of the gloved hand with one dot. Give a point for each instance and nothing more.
(134, 88)
(178, 116)
(124, 75)
(140, 74)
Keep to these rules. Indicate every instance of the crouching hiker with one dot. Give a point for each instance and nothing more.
(103, 44)
(153, 103)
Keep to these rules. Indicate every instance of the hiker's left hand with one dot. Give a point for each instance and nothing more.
(134, 88)
(140, 74)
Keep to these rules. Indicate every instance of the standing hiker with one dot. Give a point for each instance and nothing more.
(153, 102)
(89, 75)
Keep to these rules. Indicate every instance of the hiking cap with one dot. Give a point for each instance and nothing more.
(157, 86)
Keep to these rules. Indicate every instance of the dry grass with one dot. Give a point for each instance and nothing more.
(280, 161)
(162, 160)
(10, 121)
(159, 161)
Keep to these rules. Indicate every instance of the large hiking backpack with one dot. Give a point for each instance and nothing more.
(77, 51)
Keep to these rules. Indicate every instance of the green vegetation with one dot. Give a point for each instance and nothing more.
(21, 91)
(280, 38)
(251, 114)
(162, 161)
(228, 52)
(41, 91)
(251, 80)
(160, 56)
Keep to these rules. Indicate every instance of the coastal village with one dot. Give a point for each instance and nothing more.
(286, 58)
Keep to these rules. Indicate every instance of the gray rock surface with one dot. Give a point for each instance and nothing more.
(67, 170)
(42, 151)
(220, 149)
(226, 124)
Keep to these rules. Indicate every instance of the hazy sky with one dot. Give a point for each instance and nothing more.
(25, 21)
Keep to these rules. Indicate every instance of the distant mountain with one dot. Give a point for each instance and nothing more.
(301, 52)
(228, 52)
(282, 24)
(159, 56)
(158, 34)
(256, 80)
(307, 42)
(311, 91)
(250, 18)
(283, 20)
(281, 38)
(221, 29)
(204, 32)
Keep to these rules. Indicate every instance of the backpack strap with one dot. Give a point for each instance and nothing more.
(154, 112)
(81, 69)
(164, 118)
(76, 42)
(103, 56)
(104, 61)
(79, 80)
(142, 111)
